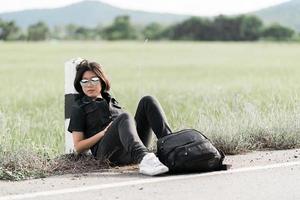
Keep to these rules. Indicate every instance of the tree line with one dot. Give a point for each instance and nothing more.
(220, 28)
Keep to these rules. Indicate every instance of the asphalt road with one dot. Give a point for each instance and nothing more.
(275, 182)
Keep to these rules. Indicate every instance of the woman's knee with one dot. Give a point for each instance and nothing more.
(147, 99)
(124, 116)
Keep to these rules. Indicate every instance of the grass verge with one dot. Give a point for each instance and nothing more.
(21, 165)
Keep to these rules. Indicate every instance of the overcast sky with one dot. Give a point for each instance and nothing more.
(191, 7)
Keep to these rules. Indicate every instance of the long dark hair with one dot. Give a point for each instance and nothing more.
(84, 66)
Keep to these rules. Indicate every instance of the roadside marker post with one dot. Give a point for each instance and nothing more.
(70, 93)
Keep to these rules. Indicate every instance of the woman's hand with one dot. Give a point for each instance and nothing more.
(81, 144)
(104, 130)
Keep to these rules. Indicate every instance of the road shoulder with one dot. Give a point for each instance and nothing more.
(130, 173)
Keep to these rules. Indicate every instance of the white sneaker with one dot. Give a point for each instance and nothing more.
(150, 165)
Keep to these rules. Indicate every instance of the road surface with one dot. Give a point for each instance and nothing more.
(274, 181)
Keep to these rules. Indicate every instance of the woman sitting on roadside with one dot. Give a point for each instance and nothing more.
(100, 124)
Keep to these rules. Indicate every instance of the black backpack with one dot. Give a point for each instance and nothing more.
(189, 150)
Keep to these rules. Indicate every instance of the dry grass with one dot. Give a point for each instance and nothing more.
(27, 164)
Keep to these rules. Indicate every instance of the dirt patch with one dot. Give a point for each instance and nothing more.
(85, 163)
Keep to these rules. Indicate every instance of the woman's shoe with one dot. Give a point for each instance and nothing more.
(150, 165)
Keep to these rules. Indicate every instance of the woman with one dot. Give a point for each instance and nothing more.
(98, 123)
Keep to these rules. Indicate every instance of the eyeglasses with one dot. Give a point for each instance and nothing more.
(94, 81)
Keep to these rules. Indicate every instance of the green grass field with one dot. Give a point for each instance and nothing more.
(244, 96)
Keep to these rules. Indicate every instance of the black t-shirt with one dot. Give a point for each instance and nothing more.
(92, 116)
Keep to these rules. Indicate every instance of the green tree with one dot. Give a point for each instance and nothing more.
(83, 33)
(121, 29)
(194, 28)
(227, 28)
(71, 31)
(250, 27)
(9, 30)
(74, 32)
(277, 32)
(58, 32)
(153, 31)
(38, 31)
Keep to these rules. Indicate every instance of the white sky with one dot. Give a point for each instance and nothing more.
(191, 7)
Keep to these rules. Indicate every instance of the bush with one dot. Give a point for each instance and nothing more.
(278, 33)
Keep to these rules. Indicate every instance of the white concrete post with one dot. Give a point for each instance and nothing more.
(70, 92)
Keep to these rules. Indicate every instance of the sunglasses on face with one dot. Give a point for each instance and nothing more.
(94, 81)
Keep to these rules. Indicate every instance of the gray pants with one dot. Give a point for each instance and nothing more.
(127, 139)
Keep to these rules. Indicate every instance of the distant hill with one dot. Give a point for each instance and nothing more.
(287, 14)
(87, 13)
(92, 13)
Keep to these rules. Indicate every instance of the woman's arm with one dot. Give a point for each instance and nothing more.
(82, 144)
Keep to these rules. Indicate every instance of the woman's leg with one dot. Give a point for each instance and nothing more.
(149, 115)
(121, 143)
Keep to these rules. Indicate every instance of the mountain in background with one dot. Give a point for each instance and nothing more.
(92, 13)
(87, 13)
(287, 14)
